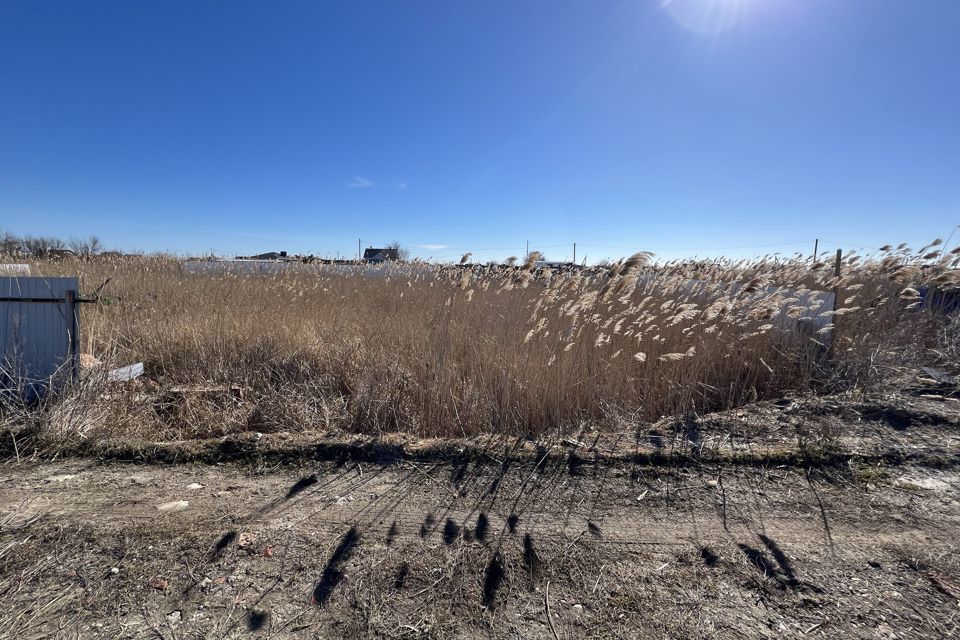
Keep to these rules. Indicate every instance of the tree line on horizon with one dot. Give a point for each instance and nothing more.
(40, 247)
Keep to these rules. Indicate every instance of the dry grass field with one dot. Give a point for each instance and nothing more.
(455, 351)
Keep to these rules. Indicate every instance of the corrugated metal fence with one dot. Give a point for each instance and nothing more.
(39, 327)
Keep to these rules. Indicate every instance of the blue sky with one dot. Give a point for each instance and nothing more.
(701, 127)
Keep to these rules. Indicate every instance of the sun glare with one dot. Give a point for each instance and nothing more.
(706, 16)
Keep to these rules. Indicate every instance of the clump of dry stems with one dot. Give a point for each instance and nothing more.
(455, 350)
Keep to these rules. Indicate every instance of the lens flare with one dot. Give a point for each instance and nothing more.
(706, 16)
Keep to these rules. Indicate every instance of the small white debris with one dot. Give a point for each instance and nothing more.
(114, 570)
(171, 507)
(193, 486)
(127, 373)
(642, 495)
(174, 617)
(62, 478)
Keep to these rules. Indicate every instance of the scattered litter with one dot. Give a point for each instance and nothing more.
(174, 617)
(206, 582)
(193, 486)
(245, 539)
(114, 570)
(125, 374)
(171, 507)
(643, 495)
(159, 584)
(268, 551)
(62, 478)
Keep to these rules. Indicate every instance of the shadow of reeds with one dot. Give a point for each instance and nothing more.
(492, 579)
(332, 575)
(300, 485)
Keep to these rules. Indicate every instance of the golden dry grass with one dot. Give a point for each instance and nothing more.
(455, 350)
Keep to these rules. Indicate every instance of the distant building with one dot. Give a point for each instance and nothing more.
(381, 255)
(60, 254)
(270, 255)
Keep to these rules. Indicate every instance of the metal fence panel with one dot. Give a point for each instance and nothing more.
(38, 331)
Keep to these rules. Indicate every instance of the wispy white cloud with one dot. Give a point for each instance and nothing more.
(432, 247)
(359, 182)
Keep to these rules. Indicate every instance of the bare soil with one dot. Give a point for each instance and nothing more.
(801, 518)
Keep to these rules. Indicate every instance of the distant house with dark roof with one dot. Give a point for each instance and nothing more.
(270, 255)
(60, 254)
(381, 255)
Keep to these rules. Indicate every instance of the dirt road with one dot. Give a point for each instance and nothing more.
(483, 548)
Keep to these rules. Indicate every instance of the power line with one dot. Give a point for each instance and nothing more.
(755, 246)
(851, 245)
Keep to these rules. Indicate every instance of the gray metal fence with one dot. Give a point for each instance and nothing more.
(39, 332)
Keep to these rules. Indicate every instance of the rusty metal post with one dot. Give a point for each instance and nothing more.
(73, 322)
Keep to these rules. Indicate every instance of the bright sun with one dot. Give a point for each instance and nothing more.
(706, 16)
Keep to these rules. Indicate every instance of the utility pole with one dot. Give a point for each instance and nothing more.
(574, 253)
(528, 250)
(358, 249)
(816, 244)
